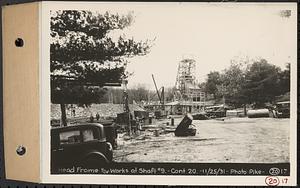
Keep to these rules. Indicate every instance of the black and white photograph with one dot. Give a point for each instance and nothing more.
(165, 85)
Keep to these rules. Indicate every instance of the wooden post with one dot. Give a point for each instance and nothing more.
(63, 115)
(126, 104)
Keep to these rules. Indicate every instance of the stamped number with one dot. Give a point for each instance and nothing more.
(272, 181)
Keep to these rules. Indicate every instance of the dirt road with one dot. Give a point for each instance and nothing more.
(243, 140)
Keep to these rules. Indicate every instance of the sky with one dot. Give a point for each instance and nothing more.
(211, 33)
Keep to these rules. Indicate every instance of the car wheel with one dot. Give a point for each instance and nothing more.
(94, 162)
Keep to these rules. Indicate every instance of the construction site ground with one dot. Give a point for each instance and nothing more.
(236, 140)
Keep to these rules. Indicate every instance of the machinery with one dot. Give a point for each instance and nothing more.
(185, 127)
(161, 96)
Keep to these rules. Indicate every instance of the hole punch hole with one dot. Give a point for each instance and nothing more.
(21, 150)
(19, 42)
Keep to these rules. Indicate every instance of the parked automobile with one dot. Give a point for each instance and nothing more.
(84, 145)
(282, 109)
(110, 129)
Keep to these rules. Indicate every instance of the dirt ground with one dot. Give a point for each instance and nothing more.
(238, 140)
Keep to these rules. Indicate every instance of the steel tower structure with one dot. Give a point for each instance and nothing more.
(186, 78)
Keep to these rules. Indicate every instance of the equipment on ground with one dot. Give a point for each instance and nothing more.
(200, 116)
(258, 113)
(283, 109)
(185, 127)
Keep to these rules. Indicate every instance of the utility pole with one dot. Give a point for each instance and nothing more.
(126, 105)
(163, 97)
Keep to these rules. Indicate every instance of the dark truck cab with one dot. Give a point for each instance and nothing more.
(85, 145)
(282, 109)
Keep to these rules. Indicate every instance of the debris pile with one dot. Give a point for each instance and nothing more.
(200, 116)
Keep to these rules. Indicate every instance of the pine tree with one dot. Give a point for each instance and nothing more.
(84, 57)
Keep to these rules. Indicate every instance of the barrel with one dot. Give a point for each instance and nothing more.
(258, 113)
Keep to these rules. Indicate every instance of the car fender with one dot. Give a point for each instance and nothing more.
(96, 154)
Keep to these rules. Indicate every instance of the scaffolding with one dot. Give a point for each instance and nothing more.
(185, 77)
(186, 86)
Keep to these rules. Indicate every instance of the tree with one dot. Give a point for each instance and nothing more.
(285, 79)
(262, 83)
(232, 82)
(84, 57)
(213, 80)
(115, 95)
(138, 94)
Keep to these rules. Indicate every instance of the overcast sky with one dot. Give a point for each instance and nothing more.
(211, 33)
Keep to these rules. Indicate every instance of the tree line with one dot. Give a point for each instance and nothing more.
(139, 94)
(242, 83)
